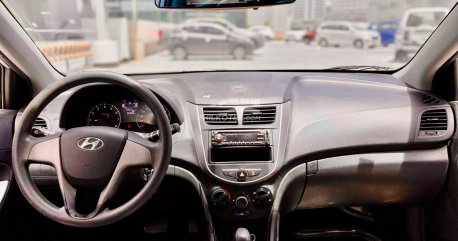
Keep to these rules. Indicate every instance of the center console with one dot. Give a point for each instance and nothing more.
(241, 148)
(241, 157)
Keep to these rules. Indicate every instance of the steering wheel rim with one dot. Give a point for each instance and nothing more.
(28, 149)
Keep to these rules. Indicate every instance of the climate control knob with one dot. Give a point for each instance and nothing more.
(220, 198)
(262, 197)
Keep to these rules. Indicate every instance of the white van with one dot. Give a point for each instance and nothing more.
(340, 33)
(415, 28)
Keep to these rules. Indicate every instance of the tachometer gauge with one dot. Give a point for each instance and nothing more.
(104, 114)
(146, 120)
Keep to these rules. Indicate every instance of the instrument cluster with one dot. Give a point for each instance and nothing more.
(128, 114)
(111, 106)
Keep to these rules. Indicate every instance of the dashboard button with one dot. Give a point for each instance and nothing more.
(254, 172)
(242, 213)
(242, 175)
(230, 173)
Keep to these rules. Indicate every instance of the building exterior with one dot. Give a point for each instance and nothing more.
(147, 10)
(314, 10)
(429, 3)
(352, 10)
(306, 13)
(279, 18)
(376, 10)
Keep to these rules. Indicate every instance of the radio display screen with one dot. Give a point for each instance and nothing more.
(249, 136)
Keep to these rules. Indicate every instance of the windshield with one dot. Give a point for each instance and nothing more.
(134, 36)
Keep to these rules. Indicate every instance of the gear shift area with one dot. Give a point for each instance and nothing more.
(242, 234)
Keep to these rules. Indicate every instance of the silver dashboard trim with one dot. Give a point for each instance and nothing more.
(280, 130)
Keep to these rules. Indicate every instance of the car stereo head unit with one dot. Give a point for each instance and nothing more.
(240, 138)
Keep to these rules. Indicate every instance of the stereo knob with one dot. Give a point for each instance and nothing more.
(220, 198)
(218, 138)
(262, 197)
(241, 202)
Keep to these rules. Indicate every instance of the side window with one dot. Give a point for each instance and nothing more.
(193, 29)
(15, 90)
(214, 31)
(344, 28)
(188, 29)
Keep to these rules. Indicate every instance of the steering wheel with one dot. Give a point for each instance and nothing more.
(90, 158)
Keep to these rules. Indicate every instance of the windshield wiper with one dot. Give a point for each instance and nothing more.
(361, 68)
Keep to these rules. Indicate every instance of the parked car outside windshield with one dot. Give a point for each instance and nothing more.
(343, 33)
(120, 36)
(204, 39)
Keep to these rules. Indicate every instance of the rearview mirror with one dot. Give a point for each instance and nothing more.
(200, 4)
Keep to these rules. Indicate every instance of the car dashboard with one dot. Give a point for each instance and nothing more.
(256, 143)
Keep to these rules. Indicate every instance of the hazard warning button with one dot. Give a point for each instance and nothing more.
(241, 175)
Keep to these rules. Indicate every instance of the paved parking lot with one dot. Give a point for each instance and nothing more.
(274, 55)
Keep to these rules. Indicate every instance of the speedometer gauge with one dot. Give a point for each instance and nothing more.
(104, 114)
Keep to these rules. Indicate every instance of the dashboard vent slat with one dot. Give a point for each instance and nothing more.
(428, 99)
(40, 123)
(259, 115)
(220, 116)
(434, 120)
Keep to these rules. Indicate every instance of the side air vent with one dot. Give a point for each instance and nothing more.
(428, 99)
(259, 115)
(434, 120)
(40, 123)
(220, 115)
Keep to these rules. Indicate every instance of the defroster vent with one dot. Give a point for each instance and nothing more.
(428, 99)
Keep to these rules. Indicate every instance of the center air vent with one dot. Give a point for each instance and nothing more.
(434, 120)
(220, 115)
(428, 99)
(259, 115)
(40, 123)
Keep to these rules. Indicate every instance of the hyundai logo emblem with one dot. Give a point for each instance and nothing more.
(90, 143)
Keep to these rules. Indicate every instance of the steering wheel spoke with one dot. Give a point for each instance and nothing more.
(44, 150)
(68, 195)
(140, 152)
(137, 153)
